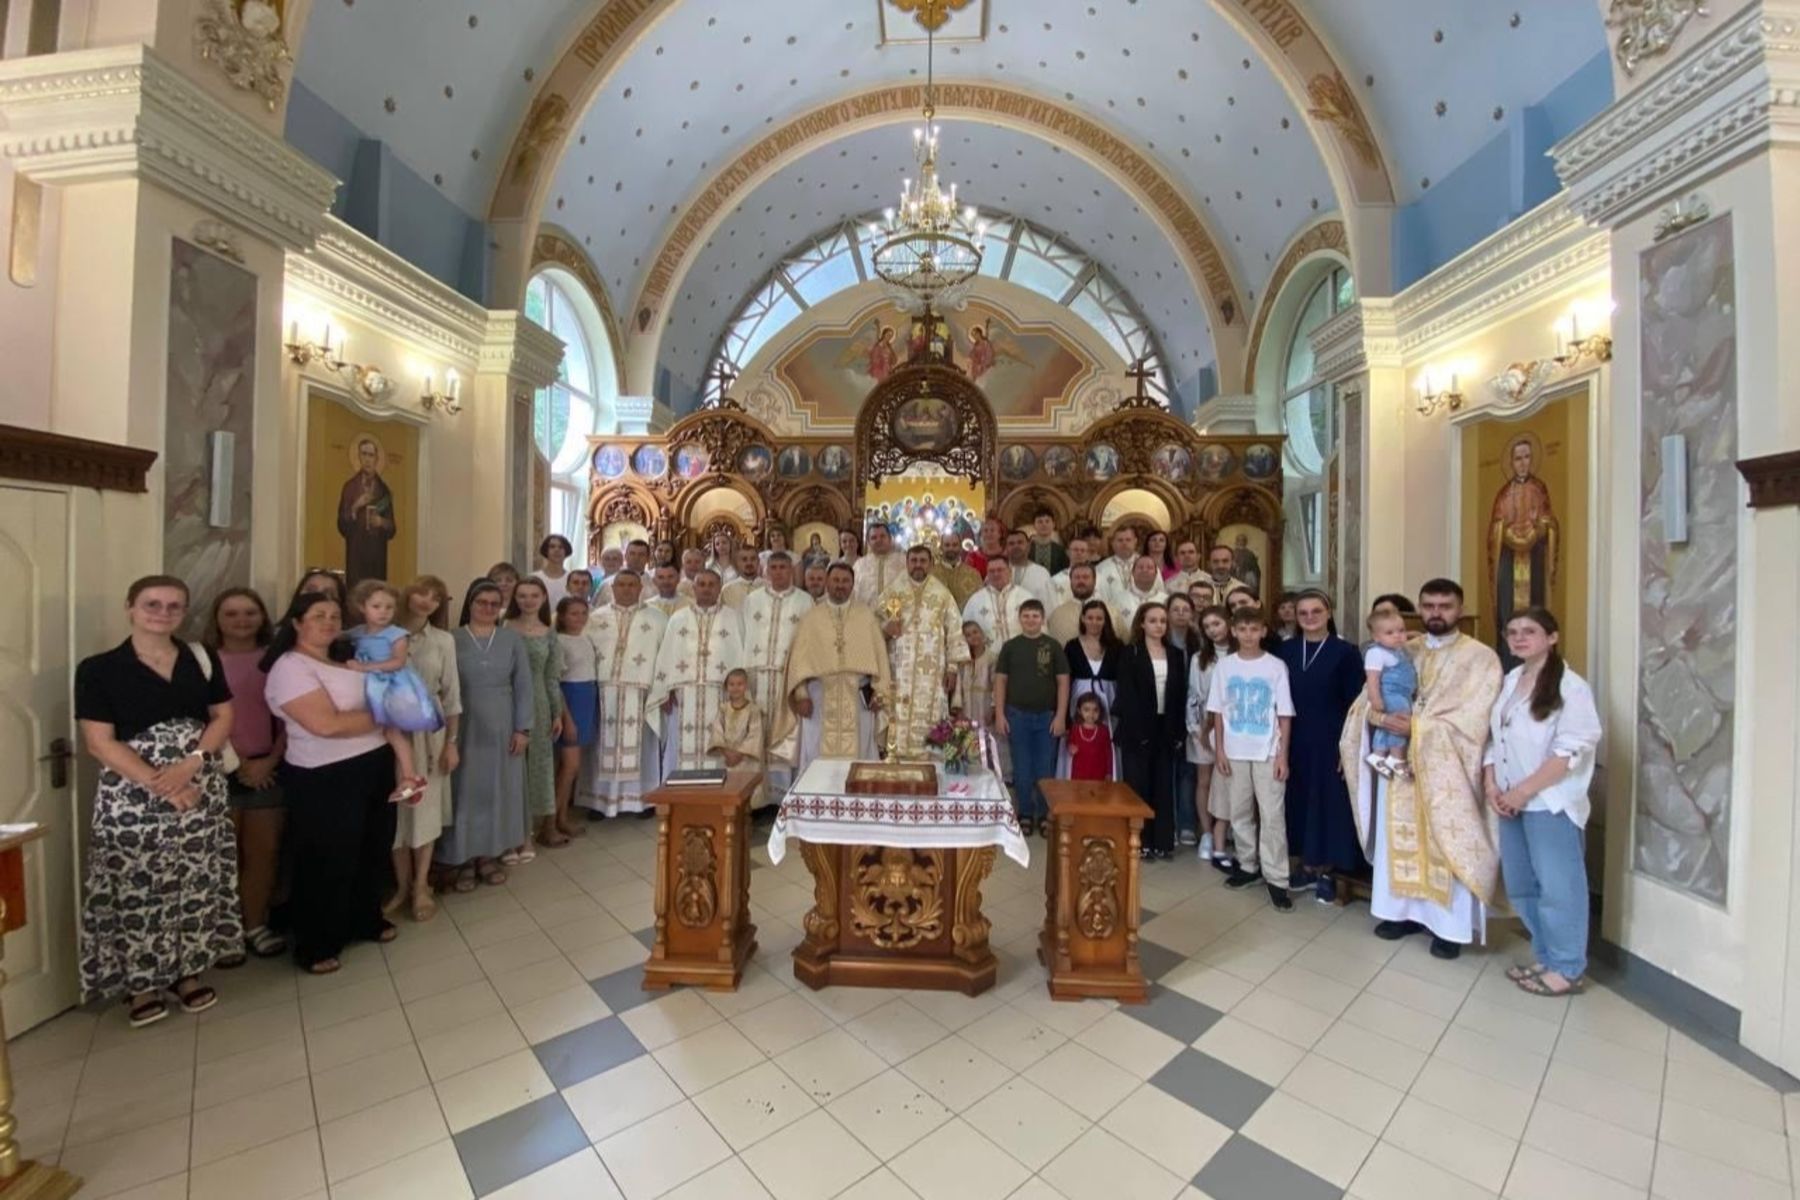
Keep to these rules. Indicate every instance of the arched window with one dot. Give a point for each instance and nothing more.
(580, 403)
(1308, 416)
(1015, 250)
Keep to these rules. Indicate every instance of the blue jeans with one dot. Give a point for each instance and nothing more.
(1546, 880)
(1186, 819)
(1033, 758)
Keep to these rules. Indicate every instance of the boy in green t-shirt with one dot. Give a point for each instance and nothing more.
(1031, 696)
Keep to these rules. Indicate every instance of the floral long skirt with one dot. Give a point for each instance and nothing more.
(162, 892)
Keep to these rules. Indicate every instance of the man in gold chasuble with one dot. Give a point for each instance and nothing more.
(1430, 835)
(924, 626)
(837, 674)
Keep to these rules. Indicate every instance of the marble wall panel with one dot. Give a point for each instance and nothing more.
(211, 389)
(1687, 623)
(1350, 460)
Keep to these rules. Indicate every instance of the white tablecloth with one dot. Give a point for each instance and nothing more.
(974, 810)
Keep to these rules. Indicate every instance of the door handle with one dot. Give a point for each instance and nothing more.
(61, 751)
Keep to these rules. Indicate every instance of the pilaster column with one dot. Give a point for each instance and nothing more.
(1696, 173)
(517, 358)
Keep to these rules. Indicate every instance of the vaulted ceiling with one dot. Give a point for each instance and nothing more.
(699, 83)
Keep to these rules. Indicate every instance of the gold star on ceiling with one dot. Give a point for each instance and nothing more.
(931, 14)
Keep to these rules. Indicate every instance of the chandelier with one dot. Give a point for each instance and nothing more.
(929, 246)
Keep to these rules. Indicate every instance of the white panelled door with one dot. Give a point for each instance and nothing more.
(36, 732)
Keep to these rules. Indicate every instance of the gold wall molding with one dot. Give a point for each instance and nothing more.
(1055, 121)
(1328, 234)
(555, 246)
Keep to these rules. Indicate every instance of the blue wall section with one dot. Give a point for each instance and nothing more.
(382, 197)
(1500, 182)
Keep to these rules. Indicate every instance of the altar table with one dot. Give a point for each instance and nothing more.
(897, 879)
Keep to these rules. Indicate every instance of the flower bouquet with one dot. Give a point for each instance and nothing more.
(958, 741)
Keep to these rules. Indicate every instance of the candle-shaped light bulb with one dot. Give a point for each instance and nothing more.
(455, 386)
(429, 390)
(294, 333)
(918, 135)
(1575, 326)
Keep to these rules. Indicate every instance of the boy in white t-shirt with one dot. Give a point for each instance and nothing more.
(1253, 712)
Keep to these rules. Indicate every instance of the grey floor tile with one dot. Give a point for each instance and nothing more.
(1244, 1170)
(1218, 1089)
(1181, 1017)
(583, 1053)
(1158, 961)
(515, 1144)
(623, 990)
(646, 935)
(1144, 915)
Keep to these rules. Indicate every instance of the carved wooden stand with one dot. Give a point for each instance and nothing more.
(1090, 938)
(897, 916)
(703, 931)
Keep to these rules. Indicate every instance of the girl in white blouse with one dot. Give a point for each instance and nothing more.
(1539, 763)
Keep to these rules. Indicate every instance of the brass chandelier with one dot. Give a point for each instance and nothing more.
(929, 247)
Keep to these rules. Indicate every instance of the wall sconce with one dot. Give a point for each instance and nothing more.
(448, 401)
(1597, 346)
(1431, 398)
(371, 382)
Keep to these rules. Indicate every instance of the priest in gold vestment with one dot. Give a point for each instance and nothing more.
(771, 615)
(702, 644)
(625, 760)
(924, 627)
(838, 653)
(1430, 834)
(954, 571)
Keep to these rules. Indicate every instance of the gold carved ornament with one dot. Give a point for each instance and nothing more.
(895, 901)
(696, 879)
(821, 921)
(1331, 102)
(931, 14)
(1648, 28)
(244, 38)
(969, 928)
(1097, 907)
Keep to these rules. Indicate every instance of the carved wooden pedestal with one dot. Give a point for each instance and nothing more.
(703, 931)
(897, 916)
(1090, 938)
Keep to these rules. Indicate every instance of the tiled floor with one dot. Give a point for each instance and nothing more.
(506, 1049)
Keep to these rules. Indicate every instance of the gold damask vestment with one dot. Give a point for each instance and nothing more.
(930, 644)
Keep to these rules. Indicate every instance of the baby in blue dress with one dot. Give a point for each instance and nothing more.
(398, 699)
(1391, 683)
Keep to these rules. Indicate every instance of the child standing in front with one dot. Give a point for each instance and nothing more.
(1090, 742)
(1031, 694)
(737, 732)
(1391, 683)
(399, 701)
(1249, 696)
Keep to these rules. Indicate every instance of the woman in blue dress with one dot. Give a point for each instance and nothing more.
(398, 698)
(1325, 676)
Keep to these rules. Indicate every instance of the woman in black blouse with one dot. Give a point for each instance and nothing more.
(1152, 721)
(1093, 658)
(161, 901)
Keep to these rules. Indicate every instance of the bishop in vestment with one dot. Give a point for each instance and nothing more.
(837, 674)
(996, 607)
(1431, 837)
(924, 628)
(625, 760)
(701, 645)
(772, 615)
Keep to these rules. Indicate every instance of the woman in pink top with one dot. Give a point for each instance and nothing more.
(339, 772)
(238, 632)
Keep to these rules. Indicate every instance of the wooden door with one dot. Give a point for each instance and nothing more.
(35, 724)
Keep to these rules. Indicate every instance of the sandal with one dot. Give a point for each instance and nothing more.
(265, 942)
(465, 881)
(512, 858)
(526, 854)
(1519, 974)
(424, 907)
(387, 933)
(1534, 985)
(395, 903)
(147, 1013)
(491, 874)
(197, 998)
(325, 966)
(555, 839)
(232, 962)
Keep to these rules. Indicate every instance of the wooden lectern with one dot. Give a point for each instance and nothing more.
(1090, 938)
(20, 1180)
(703, 931)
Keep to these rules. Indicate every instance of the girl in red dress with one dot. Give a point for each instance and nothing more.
(1090, 741)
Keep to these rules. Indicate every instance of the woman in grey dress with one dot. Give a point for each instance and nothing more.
(497, 712)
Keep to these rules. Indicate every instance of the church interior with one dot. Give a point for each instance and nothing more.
(1370, 292)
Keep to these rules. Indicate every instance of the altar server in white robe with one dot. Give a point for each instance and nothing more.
(837, 675)
(1061, 589)
(771, 614)
(625, 761)
(667, 597)
(996, 607)
(701, 645)
(1026, 573)
(1114, 573)
(880, 567)
(1144, 587)
(749, 578)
